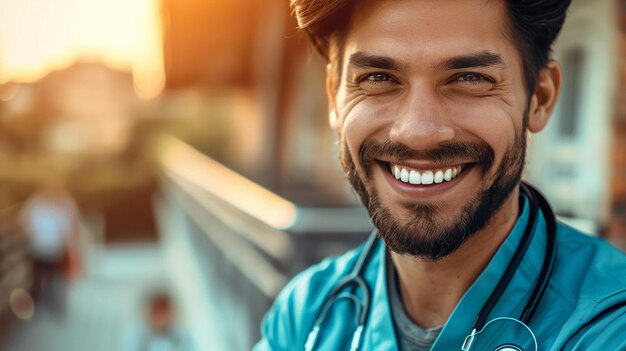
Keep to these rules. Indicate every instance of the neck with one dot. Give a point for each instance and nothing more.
(431, 290)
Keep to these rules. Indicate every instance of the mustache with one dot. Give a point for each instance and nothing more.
(480, 153)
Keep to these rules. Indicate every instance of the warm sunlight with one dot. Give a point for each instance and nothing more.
(39, 36)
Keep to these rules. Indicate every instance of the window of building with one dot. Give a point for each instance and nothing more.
(573, 69)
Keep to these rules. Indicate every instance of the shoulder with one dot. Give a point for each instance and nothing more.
(604, 332)
(294, 311)
(184, 338)
(591, 273)
(592, 268)
(132, 336)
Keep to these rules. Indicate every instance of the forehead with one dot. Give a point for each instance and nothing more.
(427, 31)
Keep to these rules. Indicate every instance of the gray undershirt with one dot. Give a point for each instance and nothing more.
(411, 337)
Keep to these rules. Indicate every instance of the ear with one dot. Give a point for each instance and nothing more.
(332, 98)
(544, 97)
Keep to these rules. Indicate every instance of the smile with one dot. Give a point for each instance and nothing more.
(424, 176)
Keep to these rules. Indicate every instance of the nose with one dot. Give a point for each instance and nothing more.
(422, 123)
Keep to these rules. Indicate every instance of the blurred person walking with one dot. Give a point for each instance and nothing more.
(50, 221)
(161, 332)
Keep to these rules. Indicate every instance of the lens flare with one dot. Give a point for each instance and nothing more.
(22, 304)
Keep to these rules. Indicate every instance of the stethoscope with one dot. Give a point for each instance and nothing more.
(343, 289)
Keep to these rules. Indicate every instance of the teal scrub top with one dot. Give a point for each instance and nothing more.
(583, 308)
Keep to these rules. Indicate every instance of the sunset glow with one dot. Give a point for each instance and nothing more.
(40, 36)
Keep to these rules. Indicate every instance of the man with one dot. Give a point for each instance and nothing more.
(433, 102)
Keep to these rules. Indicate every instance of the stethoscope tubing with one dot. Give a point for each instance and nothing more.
(355, 278)
(550, 258)
(503, 283)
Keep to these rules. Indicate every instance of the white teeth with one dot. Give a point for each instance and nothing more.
(427, 177)
(404, 175)
(415, 177)
(438, 177)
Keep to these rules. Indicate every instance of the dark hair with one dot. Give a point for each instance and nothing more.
(158, 300)
(533, 25)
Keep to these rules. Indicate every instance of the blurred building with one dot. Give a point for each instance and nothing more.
(250, 51)
(617, 226)
(209, 42)
(571, 159)
(87, 108)
(579, 161)
(85, 123)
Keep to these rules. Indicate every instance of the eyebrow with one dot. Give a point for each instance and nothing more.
(480, 59)
(365, 60)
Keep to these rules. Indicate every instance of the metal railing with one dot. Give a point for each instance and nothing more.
(243, 242)
(15, 267)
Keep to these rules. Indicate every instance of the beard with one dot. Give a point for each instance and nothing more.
(423, 233)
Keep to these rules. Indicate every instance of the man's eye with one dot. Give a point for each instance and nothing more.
(376, 77)
(471, 77)
(377, 83)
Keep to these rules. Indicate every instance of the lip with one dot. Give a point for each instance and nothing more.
(416, 192)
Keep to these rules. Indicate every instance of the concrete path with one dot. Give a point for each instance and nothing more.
(100, 308)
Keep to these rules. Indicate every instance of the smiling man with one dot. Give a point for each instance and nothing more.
(433, 102)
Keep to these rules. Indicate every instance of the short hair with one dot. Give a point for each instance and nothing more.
(158, 300)
(533, 26)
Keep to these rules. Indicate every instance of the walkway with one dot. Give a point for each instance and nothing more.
(101, 307)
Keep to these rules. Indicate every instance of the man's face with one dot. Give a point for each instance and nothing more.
(432, 93)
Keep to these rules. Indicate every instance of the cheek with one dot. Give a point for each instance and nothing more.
(365, 120)
(488, 122)
(353, 135)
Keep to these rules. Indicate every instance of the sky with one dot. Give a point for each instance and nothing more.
(39, 36)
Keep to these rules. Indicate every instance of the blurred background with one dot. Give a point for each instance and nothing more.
(167, 165)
